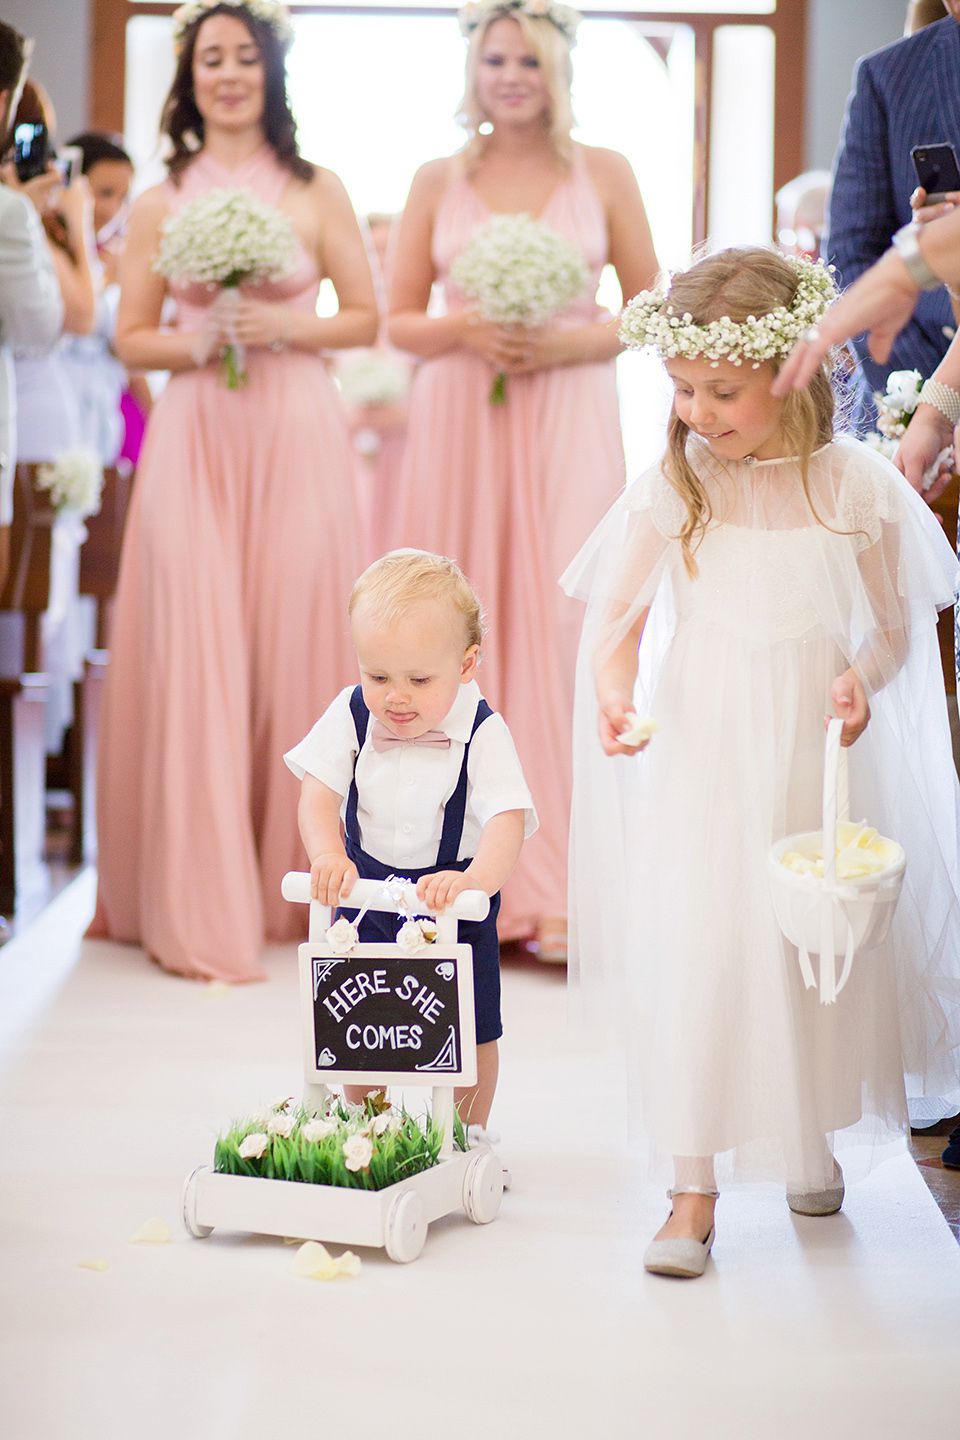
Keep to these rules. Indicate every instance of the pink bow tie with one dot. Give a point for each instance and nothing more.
(382, 738)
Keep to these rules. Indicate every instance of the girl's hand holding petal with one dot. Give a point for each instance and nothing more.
(850, 705)
(615, 708)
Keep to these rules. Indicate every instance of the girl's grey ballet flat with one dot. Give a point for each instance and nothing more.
(818, 1202)
(685, 1259)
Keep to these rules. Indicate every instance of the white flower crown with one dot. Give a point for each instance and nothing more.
(650, 319)
(274, 14)
(478, 11)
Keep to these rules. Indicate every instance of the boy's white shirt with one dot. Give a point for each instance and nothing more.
(402, 791)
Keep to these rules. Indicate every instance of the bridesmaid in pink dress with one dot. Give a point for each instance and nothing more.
(512, 492)
(229, 633)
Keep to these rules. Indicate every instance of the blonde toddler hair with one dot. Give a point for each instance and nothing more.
(552, 49)
(738, 283)
(407, 577)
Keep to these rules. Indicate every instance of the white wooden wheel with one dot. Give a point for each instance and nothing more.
(405, 1227)
(191, 1224)
(483, 1187)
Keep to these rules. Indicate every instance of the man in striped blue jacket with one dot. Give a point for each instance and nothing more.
(906, 94)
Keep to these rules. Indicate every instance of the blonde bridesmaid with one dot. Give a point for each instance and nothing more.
(242, 543)
(512, 492)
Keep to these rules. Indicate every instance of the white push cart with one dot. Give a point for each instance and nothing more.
(396, 1217)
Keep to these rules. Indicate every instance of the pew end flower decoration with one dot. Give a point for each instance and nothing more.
(222, 240)
(896, 407)
(370, 377)
(74, 481)
(518, 272)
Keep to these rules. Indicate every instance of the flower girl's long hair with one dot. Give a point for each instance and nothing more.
(737, 283)
(552, 50)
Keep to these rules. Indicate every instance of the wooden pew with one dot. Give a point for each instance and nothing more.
(99, 570)
(23, 692)
(946, 508)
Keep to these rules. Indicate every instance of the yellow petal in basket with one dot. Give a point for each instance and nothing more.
(313, 1261)
(860, 851)
(93, 1265)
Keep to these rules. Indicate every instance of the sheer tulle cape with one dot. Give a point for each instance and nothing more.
(674, 945)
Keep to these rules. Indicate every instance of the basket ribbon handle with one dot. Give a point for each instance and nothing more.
(836, 805)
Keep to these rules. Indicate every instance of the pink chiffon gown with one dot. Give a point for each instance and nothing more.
(512, 493)
(229, 638)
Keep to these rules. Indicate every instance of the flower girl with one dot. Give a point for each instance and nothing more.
(769, 575)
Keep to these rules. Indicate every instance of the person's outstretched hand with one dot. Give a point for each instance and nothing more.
(881, 301)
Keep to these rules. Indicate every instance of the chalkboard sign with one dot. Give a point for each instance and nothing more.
(377, 1016)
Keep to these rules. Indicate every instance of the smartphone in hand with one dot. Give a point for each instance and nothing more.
(937, 170)
(31, 150)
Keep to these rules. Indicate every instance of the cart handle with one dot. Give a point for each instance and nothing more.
(469, 904)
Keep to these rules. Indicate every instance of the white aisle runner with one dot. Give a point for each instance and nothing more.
(541, 1326)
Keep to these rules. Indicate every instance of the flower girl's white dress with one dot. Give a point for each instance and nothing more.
(674, 935)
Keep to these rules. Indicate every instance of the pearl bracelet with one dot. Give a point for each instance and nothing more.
(943, 398)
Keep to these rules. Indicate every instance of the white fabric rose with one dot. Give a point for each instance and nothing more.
(315, 1130)
(903, 390)
(357, 1152)
(342, 936)
(253, 1147)
(280, 1125)
(414, 937)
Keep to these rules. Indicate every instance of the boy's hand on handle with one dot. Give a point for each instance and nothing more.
(615, 707)
(332, 877)
(439, 890)
(850, 704)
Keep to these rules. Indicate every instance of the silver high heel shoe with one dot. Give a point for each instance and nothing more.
(685, 1259)
(819, 1202)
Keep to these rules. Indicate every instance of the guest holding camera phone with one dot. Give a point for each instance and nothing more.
(905, 96)
(31, 310)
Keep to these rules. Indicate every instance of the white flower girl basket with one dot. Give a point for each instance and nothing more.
(825, 916)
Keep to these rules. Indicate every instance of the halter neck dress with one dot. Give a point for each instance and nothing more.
(229, 636)
(512, 493)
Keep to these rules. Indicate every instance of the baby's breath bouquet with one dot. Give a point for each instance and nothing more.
(370, 377)
(74, 480)
(519, 272)
(222, 239)
(363, 1147)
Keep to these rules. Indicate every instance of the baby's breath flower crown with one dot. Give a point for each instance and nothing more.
(477, 12)
(650, 319)
(274, 14)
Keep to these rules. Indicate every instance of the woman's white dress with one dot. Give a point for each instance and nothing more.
(673, 928)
